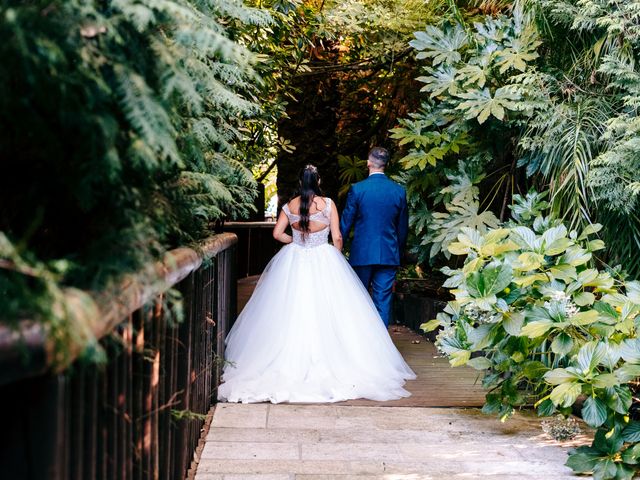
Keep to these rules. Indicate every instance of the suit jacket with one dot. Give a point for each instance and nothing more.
(377, 210)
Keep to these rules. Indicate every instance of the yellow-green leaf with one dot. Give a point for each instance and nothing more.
(458, 248)
(605, 380)
(558, 376)
(496, 235)
(518, 357)
(584, 298)
(512, 323)
(459, 357)
(584, 318)
(564, 272)
(498, 248)
(536, 329)
(479, 363)
(530, 279)
(473, 265)
(565, 395)
(430, 325)
(558, 246)
(590, 230)
(529, 261)
(596, 245)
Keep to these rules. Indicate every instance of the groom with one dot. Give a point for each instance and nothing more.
(377, 210)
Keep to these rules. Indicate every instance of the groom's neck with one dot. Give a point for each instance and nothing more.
(376, 170)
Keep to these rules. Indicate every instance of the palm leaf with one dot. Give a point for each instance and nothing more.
(569, 138)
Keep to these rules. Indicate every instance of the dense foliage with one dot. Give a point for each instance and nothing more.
(535, 94)
(478, 99)
(542, 94)
(591, 118)
(123, 124)
(130, 127)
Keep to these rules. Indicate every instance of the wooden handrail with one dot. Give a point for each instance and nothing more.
(25, 351)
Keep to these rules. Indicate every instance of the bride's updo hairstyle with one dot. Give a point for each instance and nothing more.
(309, 188)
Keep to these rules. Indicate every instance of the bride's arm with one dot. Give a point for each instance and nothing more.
(336, 236)
(281, 225)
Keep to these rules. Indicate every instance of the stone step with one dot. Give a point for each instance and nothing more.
(350, 442)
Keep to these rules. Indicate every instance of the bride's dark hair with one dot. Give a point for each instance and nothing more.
(309, 188)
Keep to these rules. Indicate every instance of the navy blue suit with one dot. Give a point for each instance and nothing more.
(377, 211)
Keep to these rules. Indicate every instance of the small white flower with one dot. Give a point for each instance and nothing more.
(447, 332)
(564, 302)
(479, 316)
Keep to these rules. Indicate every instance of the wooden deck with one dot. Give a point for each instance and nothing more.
(437, 385)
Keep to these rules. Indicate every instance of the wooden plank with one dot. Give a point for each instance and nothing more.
(245, 289)
(437, 383)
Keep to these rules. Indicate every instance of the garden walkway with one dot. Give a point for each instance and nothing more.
(416, 439)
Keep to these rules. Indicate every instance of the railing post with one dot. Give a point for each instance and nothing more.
(232, 254)
(184, 371)
(221, 313)
(169, 384)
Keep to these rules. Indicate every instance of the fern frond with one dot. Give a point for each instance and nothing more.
(209, 136)
(140, 15)
(146, 115)
(238, 10)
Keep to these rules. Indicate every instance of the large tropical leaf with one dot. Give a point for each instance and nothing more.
(519, 51)
(491, 280)
(471, 75)
(480, 104)
(447, 226)
(440, 45)
(440, 80)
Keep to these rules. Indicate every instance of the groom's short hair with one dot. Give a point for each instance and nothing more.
(379, 157)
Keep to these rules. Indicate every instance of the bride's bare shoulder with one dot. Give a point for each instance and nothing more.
(294, 205)
(294, 202)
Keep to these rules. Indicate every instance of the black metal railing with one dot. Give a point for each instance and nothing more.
(140, 414)
(256, 245)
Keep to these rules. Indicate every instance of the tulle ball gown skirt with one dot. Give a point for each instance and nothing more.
(310, 333)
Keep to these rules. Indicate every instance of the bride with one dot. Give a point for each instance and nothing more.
(310, 332)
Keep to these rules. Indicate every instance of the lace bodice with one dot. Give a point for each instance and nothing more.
(311, 239)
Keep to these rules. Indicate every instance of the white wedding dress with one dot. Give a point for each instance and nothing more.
(310, 332)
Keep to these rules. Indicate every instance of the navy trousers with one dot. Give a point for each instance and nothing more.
(379, 280)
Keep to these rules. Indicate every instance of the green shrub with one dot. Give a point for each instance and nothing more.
(547, 327)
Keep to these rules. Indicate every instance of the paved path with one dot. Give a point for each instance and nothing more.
(320, 442)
